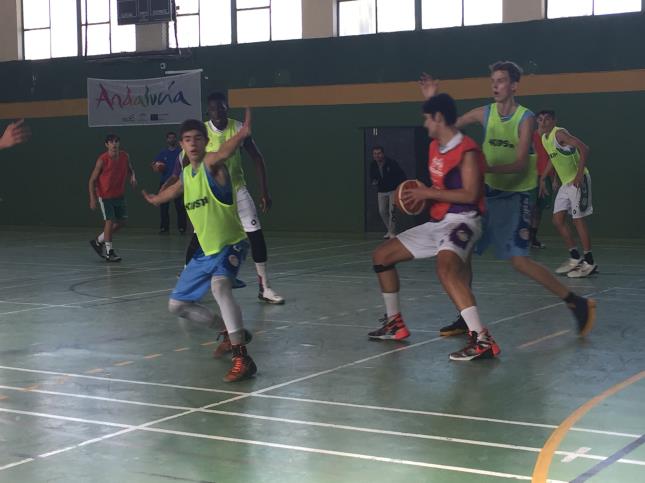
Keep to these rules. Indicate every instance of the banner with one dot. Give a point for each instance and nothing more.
(144, 102)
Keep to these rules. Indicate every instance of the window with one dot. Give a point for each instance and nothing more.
(358, 17)
(101, 33)
(201, 23)
(578, 8)
(49, 32)
(262, 20)
(455, 13)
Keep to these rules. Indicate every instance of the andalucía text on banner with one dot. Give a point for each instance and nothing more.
(163, 100)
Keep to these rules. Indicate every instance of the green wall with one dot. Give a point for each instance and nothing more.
(315, 153)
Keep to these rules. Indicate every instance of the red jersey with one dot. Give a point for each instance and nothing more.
(445, 174)
(111, 181)
(542, 155)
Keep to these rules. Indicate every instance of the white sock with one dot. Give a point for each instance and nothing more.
(222, 288)
(108, 247)
(471, 317)
(195, 312)
(261, 268)
(391, 304)
(100, 238)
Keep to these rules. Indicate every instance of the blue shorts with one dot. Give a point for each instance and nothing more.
(507, 223)
(195, 280)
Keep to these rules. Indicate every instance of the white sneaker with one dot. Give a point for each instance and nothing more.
(584, 269)
(568, 265)
(269, 296)
(386, 236)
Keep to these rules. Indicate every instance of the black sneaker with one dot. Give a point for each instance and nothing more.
(584, 310)
(478, 348)
(163, 231)
(458, 327)
(112, 257)
(98, 247)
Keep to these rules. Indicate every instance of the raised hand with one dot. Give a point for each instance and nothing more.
(429, 85)
(15, 133)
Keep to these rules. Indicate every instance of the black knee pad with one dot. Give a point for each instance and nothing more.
(193, 246)
(382, 268)
(258, 246)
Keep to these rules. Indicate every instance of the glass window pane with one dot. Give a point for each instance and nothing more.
(35, 14)
(477, 12)
(98, 39)
(440, 13)
(252, 3)
(63, 32)
(37, 44)
(192, 6)
(187, 31)
(253, 25)
(356, 17)
(395, 15)
(286, 19)
(601, 7)
(215, 23)
(97, 11)
(569, 8)
(124, 37)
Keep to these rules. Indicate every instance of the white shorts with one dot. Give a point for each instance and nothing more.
(575, 201)
(246, 211)
(457, 232)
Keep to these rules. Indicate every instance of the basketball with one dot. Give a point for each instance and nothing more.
(413, 208)
(158, 166)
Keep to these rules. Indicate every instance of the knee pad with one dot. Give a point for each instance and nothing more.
(258, 246)
(382, 268)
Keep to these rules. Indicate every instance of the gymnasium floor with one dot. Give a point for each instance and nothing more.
(98, 382)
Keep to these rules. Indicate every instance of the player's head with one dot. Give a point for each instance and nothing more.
(545, 121)
(112, 142)
(504, 79)
(218, 109)
(171, 139)
(378, 153)
(440, 113)
(193, 138)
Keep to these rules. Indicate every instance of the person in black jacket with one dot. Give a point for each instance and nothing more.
(386, 175)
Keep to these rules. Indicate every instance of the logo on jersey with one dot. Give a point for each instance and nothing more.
(461, 235)
(196, 204)
(501, 143)
(436, 167)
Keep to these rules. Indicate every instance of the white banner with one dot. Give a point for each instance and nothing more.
(143, 102)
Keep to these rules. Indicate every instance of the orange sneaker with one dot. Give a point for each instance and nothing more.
(243, 365)
(393, 328)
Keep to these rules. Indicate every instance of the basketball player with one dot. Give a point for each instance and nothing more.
(210, 200)
(568, 155)
(511, 185)
(221, 128)
(107, 182)
(456, 167)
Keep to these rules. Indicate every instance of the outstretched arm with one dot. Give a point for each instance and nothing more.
(164, 196)
(227, 149)
(15, 133)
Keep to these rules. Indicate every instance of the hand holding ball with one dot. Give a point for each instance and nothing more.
(407, 206)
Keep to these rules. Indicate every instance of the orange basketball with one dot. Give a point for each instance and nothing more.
(408, 208)
(158, 166)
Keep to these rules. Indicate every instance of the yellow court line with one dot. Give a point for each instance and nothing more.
(3, 397)
(542, 339)
(94, 371)
(541, 469)
(152, 356)
(209, 343)
(123, 363)
(181, 349)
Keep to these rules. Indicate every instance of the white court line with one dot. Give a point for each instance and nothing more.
(32, 303)
(267, 389)
(542, 339)
(130, 428)
(327, 324)
(128, 381)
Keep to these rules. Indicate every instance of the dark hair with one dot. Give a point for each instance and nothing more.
(193, 125)
(171, 133)
(217, 97)
(514, 71)
(111, 137)
(546, 112)
(378, 148)
(444, 104)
